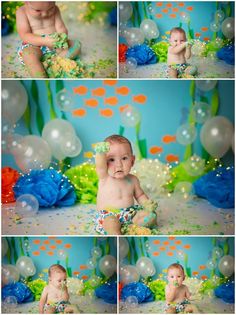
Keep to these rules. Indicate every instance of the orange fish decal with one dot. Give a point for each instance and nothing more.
(106, 112)
(42, 247)
(189, 8)
(175, 9)
(155, 253)
(159, 4)
(159, 16)
(169, 5)
(81, 90)
(99, 92)
(113, 100)
(187, 246)
(88, 154)
(80, 112)
(195, 273)
(140, 98)
(181, 4)
(58, 241)
(84, 277)
(171, 238)
(156, 242)
(166, 243)
(172, 247)
(198, 34)
(206, 39)
(168, 139)
(204, 277)
(50, 253)
(165, 10)
(123, 90)
(178, 242)
(170, 254)
(46, 242)
(67, 245)
(202, 267)
(52, 247)
(171, 158)
(83, 267)
(172, 15)
(37, 242)
(162, 248)
(76, 273)
(92, 102)
(155, 150)
(204, 29)
(36, 253)
(110, 82)
(122, 108)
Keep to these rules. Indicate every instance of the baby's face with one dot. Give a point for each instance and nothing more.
(177, 38)
(40, 9)
(58, 279)
(175, 276)
(119, 160)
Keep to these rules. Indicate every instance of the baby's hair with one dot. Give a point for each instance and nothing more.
(56, 268)
(118, 139)
(175, 265)
(177, 30)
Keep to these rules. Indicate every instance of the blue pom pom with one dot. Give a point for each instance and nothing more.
(217, 187)
(227, 54)
(138, 289)
(48, 186)
(142, 53)
(225, 292)
(19, 290)
(107, 292)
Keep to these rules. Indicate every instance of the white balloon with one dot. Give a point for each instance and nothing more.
(25, 266)
(125, 11)
(134, 36)
(186, 134)
(4, 246)
(107, 265)
(129, 274)
(123, 247)
(149, 29)
(27, 205)
(145, 267)
(10, 274)
(71, 146)
(226, 265)
(206, 85)
(227, 27)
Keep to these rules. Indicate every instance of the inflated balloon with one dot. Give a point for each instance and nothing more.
(219, 15)
(123, 247)
(14, 100)
(134, 36)
(180, 254)
(131, 63)
(214, 26)
(130, 116)
(7, 131)
(227, 27)
(10, 304)
(25, 266)
(216, 136)
(32, 152)
(186, 134)
(184, 17)
(14, 143)
(94, 281)
(183, 191)
(91, 263)
(27, 206)
(147, 246)
(10, 274)
(96, 252)
(123, 29)
(26, 244)
(145, 267)
(194, 165)
(226, 265)
(131, 302)
(206, 85)
(201, 112)
(217, 252)
(211, 264)
(150, 8)
(54, 132)
(125, 11)
(107, 265)
(62, 254)
(71, 146)
(149, 29)
(129, 274)
(65, 100)
(4, 246)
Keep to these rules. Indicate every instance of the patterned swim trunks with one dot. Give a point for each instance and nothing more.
(125, 215)
(179, 307)
(59, 306)
(180, 67)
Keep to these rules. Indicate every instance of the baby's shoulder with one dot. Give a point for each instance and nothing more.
(133, 178)
(21, 11)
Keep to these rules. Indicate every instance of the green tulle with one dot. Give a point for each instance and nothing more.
(85, 181)
(161, 49)
(158, 289)
(37, 286)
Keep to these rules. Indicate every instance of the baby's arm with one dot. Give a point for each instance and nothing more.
(170, 292)
(188, 51)
(43, 300)
(139, 194)
(177, 49)
(101, 148)
(187, 293)
(59, 24)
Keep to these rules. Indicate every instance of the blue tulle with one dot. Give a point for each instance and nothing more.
(142, 53)
(225, 292)
(227, 54)
(107, 292)
(113, 17)
(217, 187)
(19, 290)
(48, 186)
(138, 289)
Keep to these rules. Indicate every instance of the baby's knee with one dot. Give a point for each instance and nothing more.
(145, 218)
(112, 225)
(171, 310)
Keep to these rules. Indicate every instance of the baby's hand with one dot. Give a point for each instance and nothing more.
(150, 205)
(190, 42)
(102, 147)
(175, 283)
(61, 40)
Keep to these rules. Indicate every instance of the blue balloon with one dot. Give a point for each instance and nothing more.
(19, 290)
(107, 292)
(225, 292)
(142, 53)
(138, 289)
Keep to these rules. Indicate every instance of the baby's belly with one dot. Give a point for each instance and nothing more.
(174, 61)
(114, 203)
(44, 31)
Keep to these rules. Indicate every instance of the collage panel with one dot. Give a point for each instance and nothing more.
(180, 171)
(176, 39)
(64, 39)
(59, 275)
(159, 275)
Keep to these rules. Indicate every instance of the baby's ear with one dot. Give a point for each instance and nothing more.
(133, 160)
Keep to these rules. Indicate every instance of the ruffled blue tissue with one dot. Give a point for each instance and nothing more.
(217, 187)
(142, 53)
(138, 289)
(48, 186)
(113, 17)
(19, 290)
(227, 54)
(225, 292)
(107, 292)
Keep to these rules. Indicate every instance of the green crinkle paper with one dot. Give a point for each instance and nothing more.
(158, 289)
(161, 50)
(102, 147)
(209, 285)
(37, 286)
(85, 181)
(61, 40)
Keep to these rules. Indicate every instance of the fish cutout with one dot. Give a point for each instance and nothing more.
(113, 100)
(81, 90)
(198, 34)
(202, 267)
(187, 246)
(156, 242)
(67, 245)
(156, 150)
(181, 4)
(162, 248)
(206, 39)
(36, 253)
(195, 273)
(76, 273)
(99, 92)
(110, 82)
(204, 277)
(173, 16)
(159, 15)
(168, 139)
(175, 10)
(173, 247)
(84, 277)
(88, 155)
(165, 10)
(37, 242)
(92, 102)
(80, 112)
(171, 158)
(52, 247)
(50, 253)
(204, 29)
(170, 254)
(83, 267)
(155, 253)
(159, 4)
(122, 108)
(140, 98)
(169, 5)
(123, 90)
(189, 8)
(42, 247)
(106, 112)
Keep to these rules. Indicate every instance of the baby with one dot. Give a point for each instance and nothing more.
(40, 27)
(178, 52)
(117, 188)
(55, 297)
(177, 294)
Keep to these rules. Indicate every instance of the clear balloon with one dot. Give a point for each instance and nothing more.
(186, 134)
(32, 152)
(211, 264)
(65, 100)
(94, 281)
(62, 254)
(214, 26)
(125, 11)
(134, 36)
(71, 146)
(7, 131)
(145, 267)
(227, 27)
(25, 266)
(217, 252)
(107, 265)
(147, 246)
(180, 254)
(201, 112)
(226, 265)
(131, 302)
(14, 143)
(131, 63)
(183, 191)
(149, 29)
(96, 252)
(150, 8)
(26, 244)
(194, 165)
(219, 15)
(14, 100)
(130, 116)
(91, 263)
(123, 247)
(10, 274)
(123, 29)
(129, 274)
(10, 304)
(216, 136)
(184, 17)
(4, 246)
(27, 206)
(206, 85)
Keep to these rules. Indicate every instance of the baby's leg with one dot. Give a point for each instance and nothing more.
(73, 51)
(145, 218)
(49, 310)
(191, 70)
(111, 225)
(173, 73)
(171, 310)
(190, 308)
(31, 57)
(70, 309)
